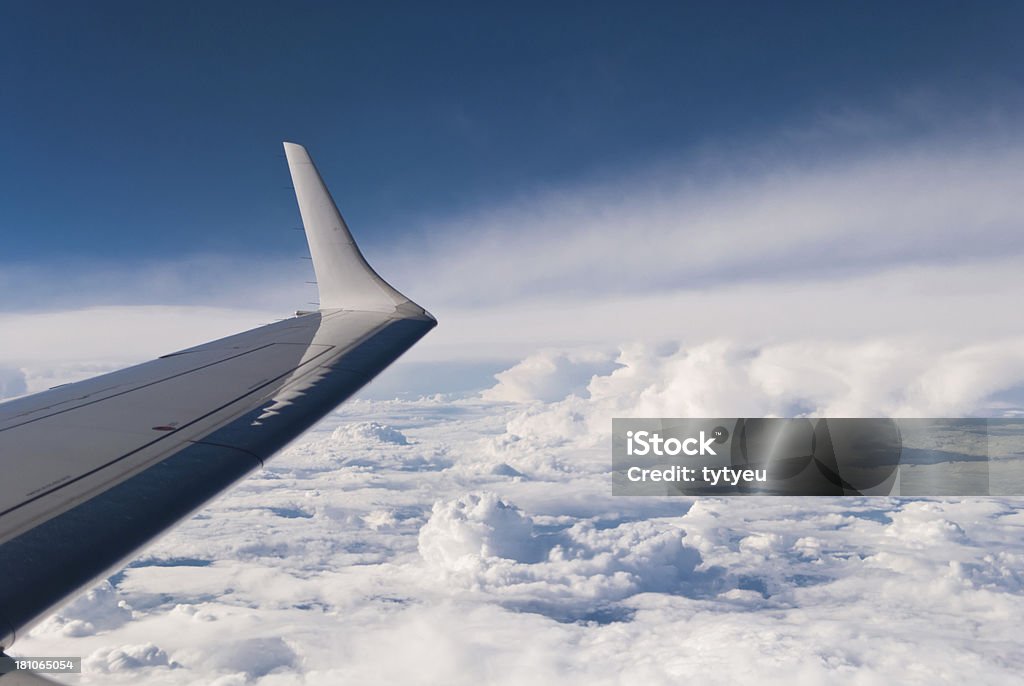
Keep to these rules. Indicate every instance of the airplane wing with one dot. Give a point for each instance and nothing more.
(92, 471)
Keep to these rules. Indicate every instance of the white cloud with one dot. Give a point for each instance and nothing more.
(12, 382)
(944, 202)
(484, 544)
(126, 658)
(339, 564)
(467, 531)
(909, 377)
(966, 303)
(181, 279)
(549, 375)
(370, 431)
(62, 346)
(474, 540)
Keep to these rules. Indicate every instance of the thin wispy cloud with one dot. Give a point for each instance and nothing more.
(698, 226)
(766, 246)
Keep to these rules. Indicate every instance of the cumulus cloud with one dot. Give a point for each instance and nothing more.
(370, 431)
(911, 377)
(462, 533)
(483, 543)
(99, 609)
(127, 658)
(550, 375)
(467, 575)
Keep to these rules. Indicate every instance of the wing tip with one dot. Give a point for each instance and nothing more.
(296, 153)
(345, 280)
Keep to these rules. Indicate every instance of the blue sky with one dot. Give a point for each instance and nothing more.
(142, 130)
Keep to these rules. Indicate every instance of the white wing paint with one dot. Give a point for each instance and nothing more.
(92, 471)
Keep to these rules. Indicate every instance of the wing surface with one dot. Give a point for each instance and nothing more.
(92, 471)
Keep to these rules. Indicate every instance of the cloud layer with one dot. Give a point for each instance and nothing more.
(339, 563)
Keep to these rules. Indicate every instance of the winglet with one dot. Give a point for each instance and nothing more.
(343, 276)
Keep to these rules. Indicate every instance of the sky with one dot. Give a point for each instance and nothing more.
(139, 131)
(679, 209)
(504, 166)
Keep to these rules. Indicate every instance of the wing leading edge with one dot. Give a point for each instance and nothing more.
(92, 471)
